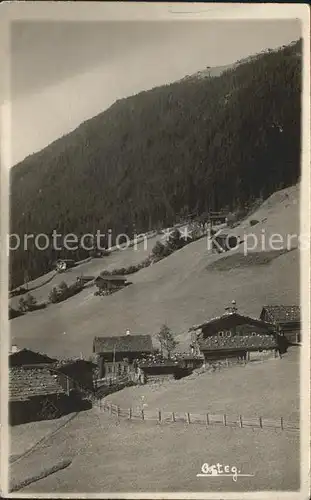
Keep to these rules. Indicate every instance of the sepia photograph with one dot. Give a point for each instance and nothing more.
(155, 181)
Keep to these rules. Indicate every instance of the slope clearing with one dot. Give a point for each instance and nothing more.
(180, 290)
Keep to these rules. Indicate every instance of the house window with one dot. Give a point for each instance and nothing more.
(109, 369)
(254, 334)
(221, 334)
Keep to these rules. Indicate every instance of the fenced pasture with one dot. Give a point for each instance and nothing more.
(118, 455)
(207, 419)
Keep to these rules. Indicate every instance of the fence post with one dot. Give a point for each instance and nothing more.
(173, 417)
(160, 416)
(225, 420)
(260, 422)
(110, 408)
(241, 421)
(282, 424)
(67, 386)
(130, 413)
(207, 419)
(118, 411)
(188, 418)
(100, 404)
(142, 415)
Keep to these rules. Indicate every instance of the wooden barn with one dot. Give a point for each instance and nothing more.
(39, 392)
(117, 355)
(42, 388)
(286, 320)
(234, 335)
(111, 283)
(159, 372)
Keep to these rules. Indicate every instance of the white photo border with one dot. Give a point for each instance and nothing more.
(126, 11)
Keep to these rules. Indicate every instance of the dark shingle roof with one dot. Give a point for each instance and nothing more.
(110, 277)
(231, 320)
(238, 342)
(25, 383)
(124, 343)
(28, 357)
(282, 314)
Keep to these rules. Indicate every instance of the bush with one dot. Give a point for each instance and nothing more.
(133, 269)
(31, 302)
(158, 249)
(105, 273)
(13, 313)
(64, 292)
(253, 222)
(22, 306)
(54, 295)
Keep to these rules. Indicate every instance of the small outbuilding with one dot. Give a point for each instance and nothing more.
(110, 283)
(286, 320)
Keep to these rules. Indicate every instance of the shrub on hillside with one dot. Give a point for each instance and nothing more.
(167, 341)
(253, 222)
(64, 292)
(29, 303)
(53, 295)
(160, 251)
(14, 313)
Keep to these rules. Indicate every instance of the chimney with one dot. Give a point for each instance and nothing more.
(14, 348)
(127, 332)
(231, 309)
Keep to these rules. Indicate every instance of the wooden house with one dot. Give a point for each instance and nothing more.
(39, 392)
(42, 388)
(22, 357)
(286, 320)
(80, 371)
(111, 283)
(118, 355)
(234, 335)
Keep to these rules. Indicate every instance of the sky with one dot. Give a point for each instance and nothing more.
(63, 73)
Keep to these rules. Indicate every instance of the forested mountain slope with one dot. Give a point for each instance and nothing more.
(194, 145)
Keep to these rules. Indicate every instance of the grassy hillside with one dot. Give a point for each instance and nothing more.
(111, 456)
(216, 392)
(181, 290)
(108, 457)
(194, 145)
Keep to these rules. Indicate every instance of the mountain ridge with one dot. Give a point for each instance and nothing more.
(193, 145)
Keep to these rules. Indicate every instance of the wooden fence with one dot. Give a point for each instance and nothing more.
(208, 419)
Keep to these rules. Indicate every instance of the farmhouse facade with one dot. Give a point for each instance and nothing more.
(233, 335)
(118, 355)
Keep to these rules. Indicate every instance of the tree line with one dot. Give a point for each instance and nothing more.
(196, 145)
